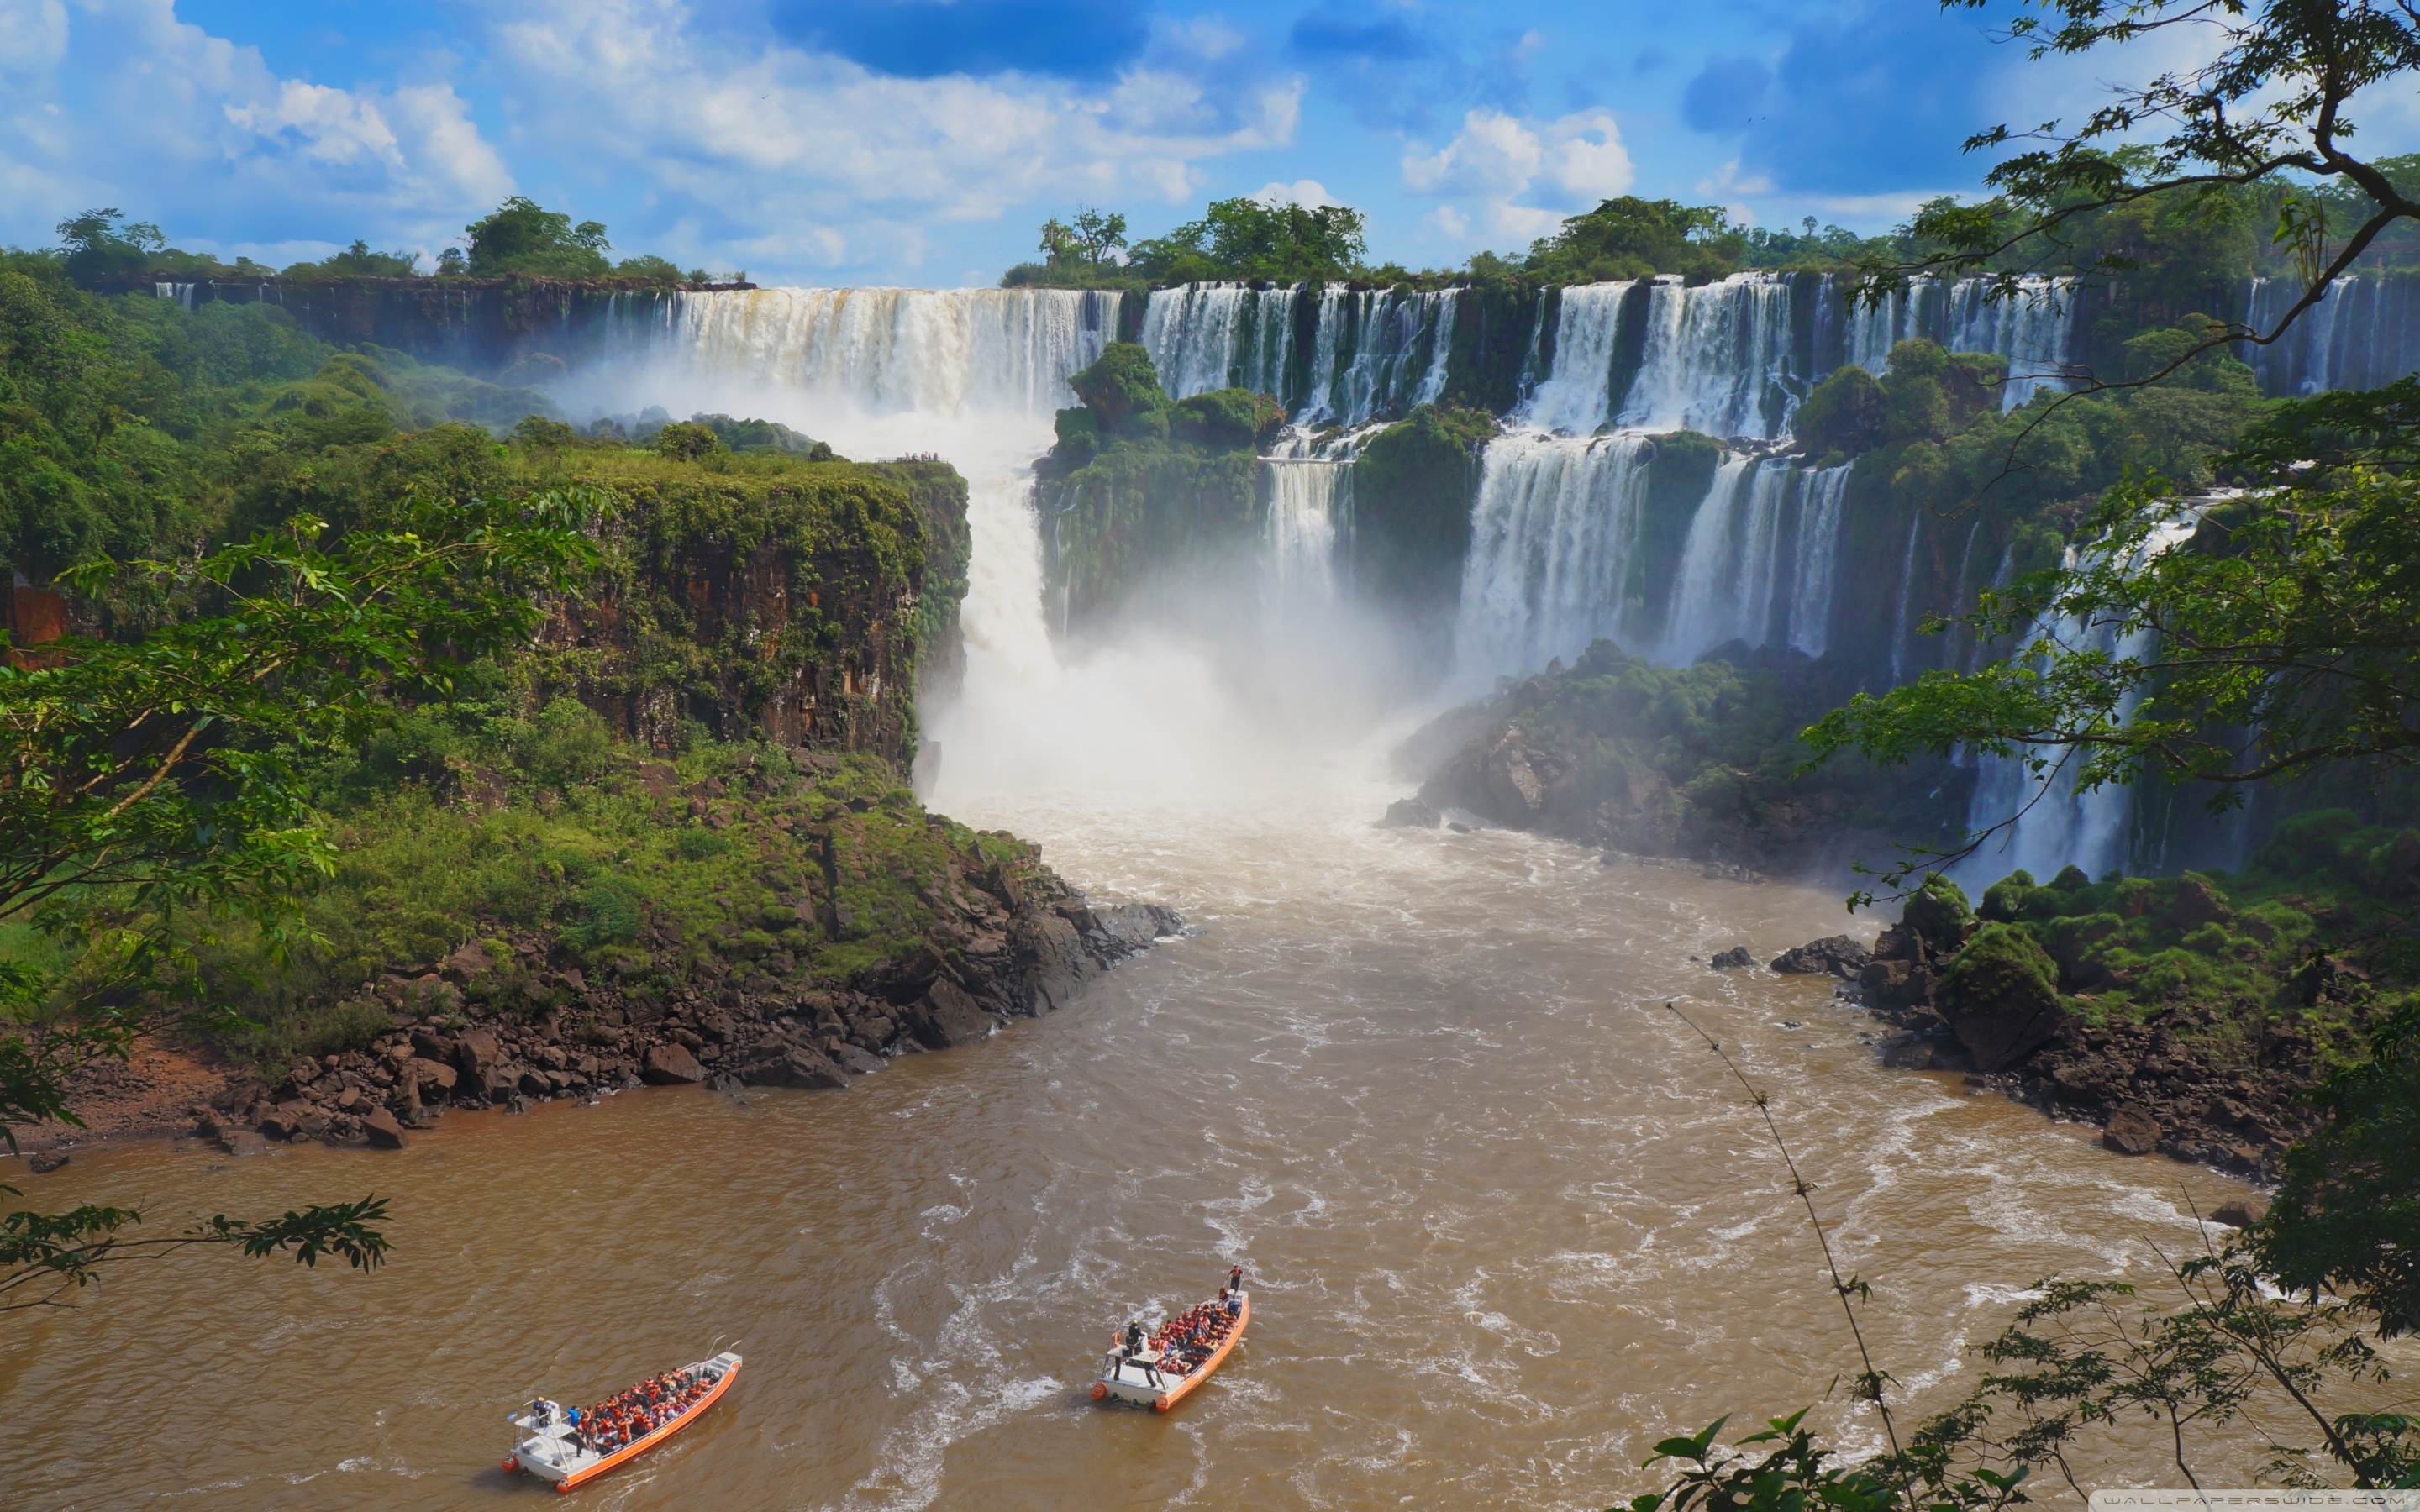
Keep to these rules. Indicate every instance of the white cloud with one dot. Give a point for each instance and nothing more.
(802, 150)
(689, 137)
(1517, 177)
(1308, 192)
(116, 101)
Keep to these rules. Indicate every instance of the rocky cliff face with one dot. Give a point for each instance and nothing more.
(802, 604)
(1698, 761)
(522, 330)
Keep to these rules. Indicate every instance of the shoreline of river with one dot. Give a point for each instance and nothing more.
(445, 1051)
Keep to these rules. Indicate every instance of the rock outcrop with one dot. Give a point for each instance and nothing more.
(1027, 946)
(1835, 955)
(1699, 763)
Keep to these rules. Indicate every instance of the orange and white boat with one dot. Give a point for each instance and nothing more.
(572, 1448)
(1161, 1369)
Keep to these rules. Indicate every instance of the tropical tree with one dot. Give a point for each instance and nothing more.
(522, 237)
(152, 787)
(2276, 100)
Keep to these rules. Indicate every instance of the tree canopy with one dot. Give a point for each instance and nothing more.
(2274, 108)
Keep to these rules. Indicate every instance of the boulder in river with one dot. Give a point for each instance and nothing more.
(1734, 959)
(382, 1128)
(2001, 996)
(2131, 1131)
(668, 1065)
(1410, 813)
(44, 1162)
(945, 1016)
(1835, 955)
(2236, 1214)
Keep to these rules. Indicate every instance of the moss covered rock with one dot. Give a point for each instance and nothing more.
(2001, 996)
(1938, 911)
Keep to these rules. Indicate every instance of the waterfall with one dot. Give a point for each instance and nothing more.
(1725, 590)
(2363, 333)
(1906, 587)
(1575, 397)
(1818, 555)
(930, 352)
(1555, 562)
(1301, 529)
(1376, 354)
(1713, 359)
(2035, 328)
(1551, 533)
(2049, 825)
(1207, 336)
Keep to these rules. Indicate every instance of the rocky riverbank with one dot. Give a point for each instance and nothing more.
(2184, 1015)
(1009, 945)
(749, 916)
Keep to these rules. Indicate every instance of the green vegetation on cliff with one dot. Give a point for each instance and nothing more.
(1412, 487)
(1139, 485)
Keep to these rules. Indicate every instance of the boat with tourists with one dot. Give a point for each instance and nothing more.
(1159, 1367)
(572, 1446)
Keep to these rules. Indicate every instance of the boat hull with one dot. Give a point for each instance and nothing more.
(1130, 1383)
(553, 1457)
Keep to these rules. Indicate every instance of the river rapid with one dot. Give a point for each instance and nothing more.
(1506, 1219)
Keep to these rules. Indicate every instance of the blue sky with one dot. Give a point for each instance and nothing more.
(923, 141)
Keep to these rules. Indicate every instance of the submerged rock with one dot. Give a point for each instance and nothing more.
(1734, 959)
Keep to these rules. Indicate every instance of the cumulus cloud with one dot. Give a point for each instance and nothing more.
(1515, 176)
(1308, 192)
(690, 134)
(118, 101)
(809, 155)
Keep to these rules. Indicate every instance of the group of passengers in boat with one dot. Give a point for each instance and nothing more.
(633, 1414)
(1179, 1346)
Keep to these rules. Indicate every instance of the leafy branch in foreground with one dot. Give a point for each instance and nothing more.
(2211, 642)
(150, 785)
(65, 1251)
(2273, 96)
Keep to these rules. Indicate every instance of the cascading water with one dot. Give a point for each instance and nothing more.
(1377, 354)
(2033, 329)
(2046, 825)
(1817, 558)
(1550, 534)
(1373, 353)
(1714, 359)
(1576, 396)
(2034, 326)
(2363, 333)
(1207, 336)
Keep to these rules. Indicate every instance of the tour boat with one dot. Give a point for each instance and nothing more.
(550, 1448)
(1159, 1381)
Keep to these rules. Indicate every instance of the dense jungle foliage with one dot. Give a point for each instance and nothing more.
(1139, 484)
(746, 596)
(519, 238)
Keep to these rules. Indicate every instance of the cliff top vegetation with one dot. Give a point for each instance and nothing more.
(519, 238)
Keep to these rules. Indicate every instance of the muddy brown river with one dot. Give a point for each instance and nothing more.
(1507, 1221)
